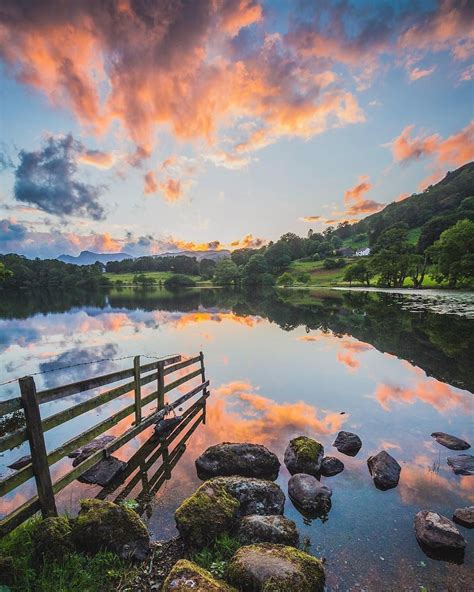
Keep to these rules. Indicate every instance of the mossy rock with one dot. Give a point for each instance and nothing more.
(255, 496)
(207, 513)
(186, 575)
(103, 525)
(304, 455)
(268, 529)
(275, 568)
(51, 539)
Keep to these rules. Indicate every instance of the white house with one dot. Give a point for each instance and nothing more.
(363, 252)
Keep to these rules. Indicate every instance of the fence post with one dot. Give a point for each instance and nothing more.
(161, 385)
(138, 390)
(39, 458)
(203, 378)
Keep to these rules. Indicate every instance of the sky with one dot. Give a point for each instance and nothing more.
(148, 126)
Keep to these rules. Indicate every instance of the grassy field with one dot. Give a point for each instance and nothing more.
(158, 276)
(320, 276)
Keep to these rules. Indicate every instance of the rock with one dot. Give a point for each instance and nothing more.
(20, 463)
(246, 460)
(437, 535)
(268, 529)
(164, 427)
(308, 495)
(51, 539)
(331, 466)
(464, 516)
(348, 443)
(186, 575)
(260, 567)
(384, 469)
(105, 525)
(89, 449)
(462, 464)
(207, 513)
(449, 441)
(304, 455)
(103, 472)
(255, 496)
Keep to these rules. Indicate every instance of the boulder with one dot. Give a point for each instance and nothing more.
(89, 449)
(331, 466)
(255, 496)
(449, 441)
(268, 529)
(105, 525)
(348, 443)
(464, 516)
(304, 455)
(244, 459)
(462, 464)
(308, 495)
(437, 535)
(51, 539)
(207, 513)
(384, 469)
(262, 567)
(186, 575)
(20, 463)
(103, 472)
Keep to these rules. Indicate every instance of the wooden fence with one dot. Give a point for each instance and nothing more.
(41, 460)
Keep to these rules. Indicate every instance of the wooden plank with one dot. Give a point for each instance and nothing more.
(182, 380)
(203, 379)
(161, 386)
(137, 389)
(154, 365)
(18, 516)
(39, 457)
(10, 405)
(175, 367)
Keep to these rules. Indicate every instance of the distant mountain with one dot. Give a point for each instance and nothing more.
(209, 254)
(89, 258)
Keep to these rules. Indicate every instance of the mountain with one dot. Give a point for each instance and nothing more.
(89, 258)
(446, 198)
(209, 254)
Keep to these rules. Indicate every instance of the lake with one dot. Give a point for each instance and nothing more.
(391, 367)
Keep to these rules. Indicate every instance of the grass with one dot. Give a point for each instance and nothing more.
(76, 573)
(320, 276)
(158, 276)
(216, 557)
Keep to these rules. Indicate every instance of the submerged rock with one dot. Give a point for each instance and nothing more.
(207, 513)
(331, 466)
(186, 575)
(51, 539)
(462, 464)
(20, 463)
(437, 535)
(268, 529)
(164, 427)
(243, 459)
(103, 472)
(449, 441)
(255, 496)
(464, 516)
(304, 455)
(308, 495)
(105, 525)
(264, 566)
(89, 449)
(384, 469)
(348, 443)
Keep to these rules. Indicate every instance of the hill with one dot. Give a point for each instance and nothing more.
(89, 258)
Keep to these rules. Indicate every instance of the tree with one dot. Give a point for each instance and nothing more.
(453, 253)
(226, 273)
(295, 243)
(331, 263)
(286, 279)
(304, 278)
(391, 256)
(278, 256)
(206, 268)
(241, 256)
(358, 272)
(4, 273)
(254, 271)
(178, 281)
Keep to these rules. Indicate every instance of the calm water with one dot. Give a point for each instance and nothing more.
(389, 367)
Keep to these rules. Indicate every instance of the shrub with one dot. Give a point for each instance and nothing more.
(178, 282)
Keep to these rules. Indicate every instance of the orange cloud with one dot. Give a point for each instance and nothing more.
(402, 196)
(97, 158)
(151, 185)
(349, 350)
(310, 218)
(171, 189)
(248, 242)
(417, 73)
(355, 202)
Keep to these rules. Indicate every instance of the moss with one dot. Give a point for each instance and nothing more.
(186, 575)
(269, 568)
(207, 513)
(52, 539)
(105, 525)
(306, 448)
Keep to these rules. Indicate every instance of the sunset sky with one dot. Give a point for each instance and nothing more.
(147, 126)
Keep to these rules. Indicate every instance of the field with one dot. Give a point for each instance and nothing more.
(320, 276)
(157, 276)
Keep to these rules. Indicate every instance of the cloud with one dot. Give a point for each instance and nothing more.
(248, 242)
(151, 185)
(98, 159)
(310, 218)
(47, 179)
(456, 150)
(417, 73)
(355, 201)
(171, 189)
(402, 196)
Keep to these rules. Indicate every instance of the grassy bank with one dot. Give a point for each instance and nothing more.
(127, 279)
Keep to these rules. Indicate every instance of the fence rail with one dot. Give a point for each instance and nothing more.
(41, 461)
